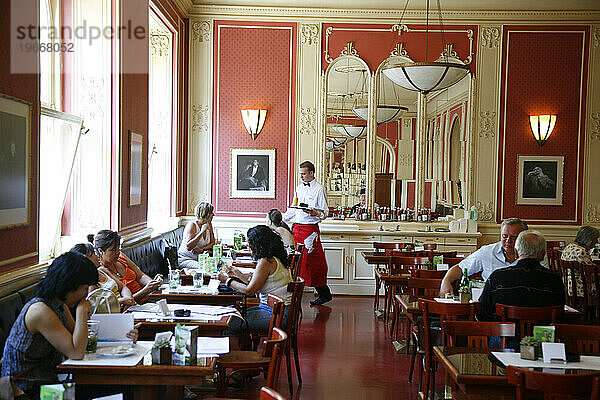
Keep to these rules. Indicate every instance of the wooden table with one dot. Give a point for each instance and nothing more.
(145, 381)
(197, 298)
(149, 328)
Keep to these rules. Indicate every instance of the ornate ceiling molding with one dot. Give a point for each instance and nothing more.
(310, 34)
(490, 37)
(201, 31)
(412, 16)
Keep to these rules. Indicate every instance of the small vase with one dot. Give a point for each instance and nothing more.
(161, 356)
(528, 352)
(465, 297)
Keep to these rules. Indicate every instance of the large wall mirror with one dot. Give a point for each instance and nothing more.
(347, 97)
(377, 151)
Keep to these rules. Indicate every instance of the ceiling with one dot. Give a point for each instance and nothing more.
(474, 5)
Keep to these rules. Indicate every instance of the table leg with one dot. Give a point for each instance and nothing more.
(147, 392)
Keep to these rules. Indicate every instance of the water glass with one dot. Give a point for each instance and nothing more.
(92, 343)
(174, 279)
(198, 279)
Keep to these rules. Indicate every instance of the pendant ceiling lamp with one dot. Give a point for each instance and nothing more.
(427, 76)
(384, 113)
(351, 131)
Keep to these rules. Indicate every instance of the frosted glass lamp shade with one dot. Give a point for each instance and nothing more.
(541, 127)
(254, 121)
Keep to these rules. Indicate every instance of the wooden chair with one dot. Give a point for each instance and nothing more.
(398, 265)
(379, 246)
(267, 393)
(382, 248)
(578, 338)
(556, 244)
(570, 272)
(427, 273)
(269, 359)
(554, 386)
(296, 261)
(449, 254)
(429, 246)
(553, 260)
(475, 334)
(591, 307)
(527, 317)
(445, 312)
(293, 321)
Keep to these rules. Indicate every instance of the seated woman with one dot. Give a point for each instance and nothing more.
(271, 276)
(104, 281)
(275, 222)
(197, 236)
(120, 268)
(579, 251)
(45, 331)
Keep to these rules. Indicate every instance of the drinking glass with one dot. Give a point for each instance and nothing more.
(198, 279)
(92, 343)
(174, 278)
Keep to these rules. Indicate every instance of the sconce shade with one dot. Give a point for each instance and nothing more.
(426, 77)
(384, 113)
(541, 127)
(351, 131)
(254, 121)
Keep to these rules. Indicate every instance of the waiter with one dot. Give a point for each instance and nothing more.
(306, 230)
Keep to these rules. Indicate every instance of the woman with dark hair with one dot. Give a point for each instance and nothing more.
(271, 276)
(45, 331)
(104, 281)
(119, 267)
(275, 222)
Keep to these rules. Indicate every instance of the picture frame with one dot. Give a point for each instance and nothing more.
(136, 146)
(15, 161)
(540, 180)
(252, 174)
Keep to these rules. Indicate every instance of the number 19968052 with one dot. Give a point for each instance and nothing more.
(47, 47)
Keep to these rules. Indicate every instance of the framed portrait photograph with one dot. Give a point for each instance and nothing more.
(252, 173)
(540, 180)
(136, 142)
(15, 161)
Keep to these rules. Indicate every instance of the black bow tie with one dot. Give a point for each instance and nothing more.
(306, 184)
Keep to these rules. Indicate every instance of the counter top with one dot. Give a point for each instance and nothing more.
(388, 228)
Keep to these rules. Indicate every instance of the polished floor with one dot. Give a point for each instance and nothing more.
(345, 353)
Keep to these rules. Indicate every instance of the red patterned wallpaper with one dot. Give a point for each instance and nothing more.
(375, 46)
(545, 72)
(254, 68)
(21, 241)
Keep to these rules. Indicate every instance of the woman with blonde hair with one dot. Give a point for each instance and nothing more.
(197, 236)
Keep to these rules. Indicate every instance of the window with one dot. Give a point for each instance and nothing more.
(160, 128)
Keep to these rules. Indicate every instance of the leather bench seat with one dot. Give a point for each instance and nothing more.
(149, 255)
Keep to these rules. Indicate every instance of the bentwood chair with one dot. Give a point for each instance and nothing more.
(554, 386)
(297, 261)
(591, 279)
(267, 393)
(293, 321)
(397, 266)
(450, 254)
(553, 260)
(572, 272)
(429, 246)
(475, 334)
(578, 338)
(528, 317)
(381, 268)
(445, 312)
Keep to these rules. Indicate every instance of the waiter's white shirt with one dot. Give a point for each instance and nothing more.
(314, 196)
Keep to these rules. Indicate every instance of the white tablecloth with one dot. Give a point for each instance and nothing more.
(141, 349)
(587, 362)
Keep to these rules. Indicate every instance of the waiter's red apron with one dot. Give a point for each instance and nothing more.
(313, 268)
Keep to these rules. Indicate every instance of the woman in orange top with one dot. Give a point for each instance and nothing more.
(119, 267)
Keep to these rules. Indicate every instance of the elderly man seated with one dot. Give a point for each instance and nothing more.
(526, 283)
(488, 258)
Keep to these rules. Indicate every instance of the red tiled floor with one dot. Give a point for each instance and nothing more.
(345, 353)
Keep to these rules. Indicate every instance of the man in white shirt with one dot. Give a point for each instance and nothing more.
(310, 194)
(488, 258)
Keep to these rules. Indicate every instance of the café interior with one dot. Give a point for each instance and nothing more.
(428, 123)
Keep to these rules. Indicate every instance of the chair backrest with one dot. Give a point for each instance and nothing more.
(475, 334)
(424, 287)
(591, 278)
(274, 348)
(554, 386)
(449, 254)
(296, 288)
(384, 246)
(267, 393)
(578, 338)
(427, 273)
(452, 261)
(430, 246)
(400, 264)
(402, 253)
(446, 312)
(296, 261)
(277, 304)
(569, 270)
(553, 259)
(528, 316)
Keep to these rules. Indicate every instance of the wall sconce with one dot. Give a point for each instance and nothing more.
(541, 127)
(254, 121)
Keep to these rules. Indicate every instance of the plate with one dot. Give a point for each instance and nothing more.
(115, 351)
